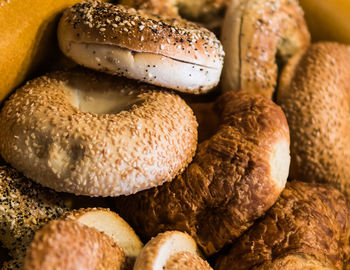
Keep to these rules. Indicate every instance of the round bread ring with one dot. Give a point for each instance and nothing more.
(208, 12)
(259, 36)
(234, 178)
(314, 95)
(141, 138)
(168, 52)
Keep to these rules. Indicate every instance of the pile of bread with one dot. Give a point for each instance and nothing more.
(150, 142)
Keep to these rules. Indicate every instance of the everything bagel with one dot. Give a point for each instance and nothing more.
(97, 135)
(235, 177)
(149, 48)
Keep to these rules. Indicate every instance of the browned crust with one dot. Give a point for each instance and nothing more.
(70, 245)
(104, 23)
(314, 94)
(307, 227)
(259, 35)
(227, 186)
(103, 154)
(208, 12)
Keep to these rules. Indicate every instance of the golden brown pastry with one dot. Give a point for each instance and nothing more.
(307, 228)
(259, 36)
(235, 177)
(315, 97)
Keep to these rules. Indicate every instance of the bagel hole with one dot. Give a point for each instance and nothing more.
(99, 98)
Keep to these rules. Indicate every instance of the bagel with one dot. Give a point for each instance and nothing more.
(70, 245)
(171, 250)
(111, 224)
(96, 135)
(259, 37)
(167, 52)
(207, 12)
(305, 229)
(235, 177)
(24, 208)
(314, 95)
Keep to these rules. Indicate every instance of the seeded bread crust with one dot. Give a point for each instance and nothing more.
(24, 208)
(116, 40)
(259, 37)
(70, 245)
(51, 140)
(235, 177)
(314, 94)
(98, 22)
(111, 224)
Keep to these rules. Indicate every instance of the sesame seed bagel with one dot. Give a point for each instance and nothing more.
(314, 95)
(96, 135)
(69, 245)
(164, 51)
(259, 37)
(236, 175)
(111, 224)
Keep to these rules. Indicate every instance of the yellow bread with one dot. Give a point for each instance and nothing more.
(28, 37)
(328, 20)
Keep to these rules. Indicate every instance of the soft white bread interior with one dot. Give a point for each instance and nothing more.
(170, 250)
(111, 224)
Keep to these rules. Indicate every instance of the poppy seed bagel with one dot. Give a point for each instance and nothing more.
(98, 135)
(113, 39)
(315, 97)
(259, 37)
(24, 208)
(234, 178)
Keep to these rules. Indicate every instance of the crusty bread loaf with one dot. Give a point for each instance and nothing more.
(307, 228)
(235, 177)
